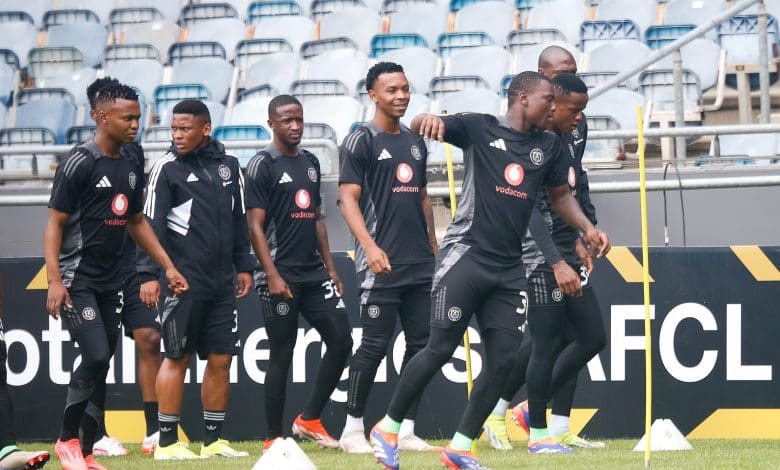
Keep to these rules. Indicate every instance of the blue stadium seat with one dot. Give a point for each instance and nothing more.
(52, 109)
(472, 61)
(428, 20)
(166, 96)
(657, 37)
(524, 6)
(241, 6)
(161, 34)
(450, 43)
(12, 16)
(296, 30)
(321, 8)
(528, 37)
(78, 134)
(471, 101)
(641, 13)
(120, 52)
(457, 5)
(34, 8)
(241, 133)
(496, 18)
(195, 12)
(347, 66)
(419, 66)
(20, 136)
(217, 80)
(75, 82)
(144, 74)
(58, 17)
(273, 8)
(101, 7)
(277, 70)
(121, 18)
(19, 37)
(739, 36)
(357, 23)
(391, 6)
(311, 49)
(170, 9)
(52, 61)
(182, 51)
(382, 43)
(225, 31)
(618, 56)
(595, 33)
(564, 15)
(89, 38)
(155, 134)
(250, 112)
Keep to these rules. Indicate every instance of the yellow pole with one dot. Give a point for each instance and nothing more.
(466, 342)
(645, 285)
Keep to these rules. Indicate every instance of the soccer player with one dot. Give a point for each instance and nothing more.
(195, 203)
(298, 275)
(479, 270)
(11, 457)
(97, 197)
(385, 203)
(140, 323)
(557, 264)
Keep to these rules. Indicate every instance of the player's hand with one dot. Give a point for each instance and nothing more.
(605, 243)
(243, 284)
(434, 246)
(432, 127)
(593, 242)
(150, 293)
(378, 261)
(334, 276)
(56, 298)
(278, 288)
(583, 255)
(568, 280)
(176, 282)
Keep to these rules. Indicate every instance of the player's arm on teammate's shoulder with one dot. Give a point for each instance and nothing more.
(243, 261)
(52, 244)
(566, 278)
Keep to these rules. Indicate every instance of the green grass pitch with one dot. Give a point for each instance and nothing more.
(707, 454)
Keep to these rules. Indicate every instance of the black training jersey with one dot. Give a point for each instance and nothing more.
(390, 169)
(288, 189)
(504, 172)
(130, 252)
(99, 194)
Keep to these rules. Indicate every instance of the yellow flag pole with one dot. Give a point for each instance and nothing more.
(466, 342)
(645, 284)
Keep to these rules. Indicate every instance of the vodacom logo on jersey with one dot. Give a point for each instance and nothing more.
(119, 207)
(404, 173)
(514, 174)
(303, 201)
(572, 177)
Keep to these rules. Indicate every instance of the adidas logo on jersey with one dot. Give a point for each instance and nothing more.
(499, 144)
(384, 155)
(341, 304)
(103, 183)
(192, 178)
(285, 178)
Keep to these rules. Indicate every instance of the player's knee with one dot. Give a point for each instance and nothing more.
(373, 348)
(219, 362)
(282, 351)
(597, 342)
(147, 340)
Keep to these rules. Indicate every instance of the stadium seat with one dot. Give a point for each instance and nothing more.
(160, 34)
(120, 52)
(294, 29)
(170, 9)
(310, 49)
(701, 56)
(252, 111)
(694, 12)
(596, 79)
(657, 37)
(316, 130)
(34, 8)
(250, 51)
(75, 82)
(226, 134)
(601, 149)
(564, 15)
(52, 61)
(241, 6)
(528, 37)
(3, 115)
(739, 36)
(166, 96)
(11, 16)
(278, 70)
(182, 51)
(596, 33)
(619, 56)
(121, 18)
(156, 134)
(101, 7)
(755, 148)
(303, 89)
(89, 38)
(260, 91)
(391, 6)
(357, 23)
(419, 66)
(472, 61)
(441, 86)
(657, 86)
(320, 109)
(321, 8)
(144, 74)
(225, 31)
(28, 136)
(527, 57)
(382, 43)
(524, 6)
(347, 66)
(7, 84)
(217, 79)
(449, 43)
(641, 13)
(273, 8)
(196, 12)
(78, 134)
(59, 17)
(426, 19)
(618, 103)
(470, 101)
(19, 37)
(496, 18)
(52, 109)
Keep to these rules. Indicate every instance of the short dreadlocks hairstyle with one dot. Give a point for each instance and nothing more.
(108, 90)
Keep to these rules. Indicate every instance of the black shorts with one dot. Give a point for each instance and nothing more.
(93, 308)
(313, 300)
(135, 314)
(466, 284)
(203, 325)
(544, 289)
